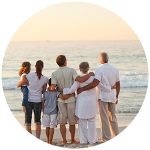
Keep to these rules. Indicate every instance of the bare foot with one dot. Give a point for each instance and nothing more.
(75, 142)
(63, 142)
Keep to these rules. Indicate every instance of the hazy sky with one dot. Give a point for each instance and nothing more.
(74, 21)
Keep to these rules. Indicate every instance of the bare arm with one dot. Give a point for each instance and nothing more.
(84, 78)
(117, 88)
(43, 106)
(44, 88)
(88, 87)
(65, 97)
(23, 81)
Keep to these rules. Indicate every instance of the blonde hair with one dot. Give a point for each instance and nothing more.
(25, 68)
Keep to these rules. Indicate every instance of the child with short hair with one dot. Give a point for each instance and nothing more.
(24, 70)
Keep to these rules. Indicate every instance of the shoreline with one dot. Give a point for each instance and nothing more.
(123, 121)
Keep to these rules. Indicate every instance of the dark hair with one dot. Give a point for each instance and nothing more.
(61, 60)
(39, 66)
(84, 67)
(50, 82)
(25, 68)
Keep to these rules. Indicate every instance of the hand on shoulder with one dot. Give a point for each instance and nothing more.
(91, 74)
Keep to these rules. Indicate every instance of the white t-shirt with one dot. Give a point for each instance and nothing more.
(35, 87)
(86, 102)
(24, 74)
(108, 76)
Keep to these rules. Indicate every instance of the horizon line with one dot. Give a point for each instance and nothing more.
(71, 40)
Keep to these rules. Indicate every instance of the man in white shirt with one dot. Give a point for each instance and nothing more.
(108, 76)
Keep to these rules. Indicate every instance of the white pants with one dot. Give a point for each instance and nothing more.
(88, 132)
(49, 120)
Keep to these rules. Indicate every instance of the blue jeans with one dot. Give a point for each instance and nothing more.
(24, 90)
(36, 108)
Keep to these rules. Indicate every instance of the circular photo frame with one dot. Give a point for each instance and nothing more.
(77, 71)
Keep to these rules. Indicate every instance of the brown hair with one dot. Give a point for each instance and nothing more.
(39, 66)
(84, 67)
(61, 60)
(25, 68)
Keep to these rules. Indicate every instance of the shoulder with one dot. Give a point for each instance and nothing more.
(99, 69)
(24, 74)
(71, 70)
(45, 78)
(31, 74)
(114, 68)
(91, 78)
(55, 72)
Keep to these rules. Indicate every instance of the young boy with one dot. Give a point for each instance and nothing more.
(49, 119)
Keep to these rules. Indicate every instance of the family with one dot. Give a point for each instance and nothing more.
(69, 98)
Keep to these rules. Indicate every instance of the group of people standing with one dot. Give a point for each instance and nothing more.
(71, 98)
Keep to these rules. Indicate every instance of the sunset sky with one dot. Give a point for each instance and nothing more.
(74, 21)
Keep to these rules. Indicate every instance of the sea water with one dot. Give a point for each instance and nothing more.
(127, 56)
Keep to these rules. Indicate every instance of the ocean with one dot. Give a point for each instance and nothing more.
(127, 56)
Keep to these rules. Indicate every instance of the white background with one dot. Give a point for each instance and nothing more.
(14, 12)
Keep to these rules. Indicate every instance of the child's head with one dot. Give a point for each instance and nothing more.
(51, 87)
(25, 68)
(84, 67)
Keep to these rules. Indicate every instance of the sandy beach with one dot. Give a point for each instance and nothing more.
(57, 136)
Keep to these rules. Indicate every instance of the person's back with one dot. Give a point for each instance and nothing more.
(108, 77)
(91, 92)
(88, 100)
(110, 74)
(35, 86)
(50, 102)
(64, 77)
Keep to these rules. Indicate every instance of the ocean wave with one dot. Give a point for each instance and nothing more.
(134, 80)
(128, 111)
(128, 80)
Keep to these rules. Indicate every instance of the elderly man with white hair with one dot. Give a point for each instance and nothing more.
(106, 75)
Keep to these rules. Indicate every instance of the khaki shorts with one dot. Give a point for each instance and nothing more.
(66, 113)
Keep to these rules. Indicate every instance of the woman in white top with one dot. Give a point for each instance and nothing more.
(86, 107)
(37, 83)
